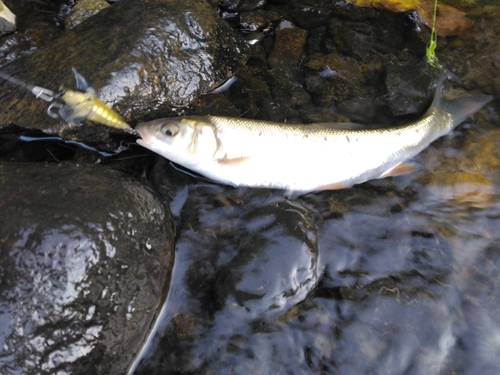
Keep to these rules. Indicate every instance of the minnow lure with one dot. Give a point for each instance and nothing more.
(79, 105)
(84, 104)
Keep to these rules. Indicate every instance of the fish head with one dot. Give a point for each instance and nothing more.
(187, 141)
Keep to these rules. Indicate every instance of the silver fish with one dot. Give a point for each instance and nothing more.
(300, 158)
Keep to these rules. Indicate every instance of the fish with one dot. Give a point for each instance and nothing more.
(301, 158)
(84, 104)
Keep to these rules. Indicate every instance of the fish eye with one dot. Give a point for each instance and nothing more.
(170, 129)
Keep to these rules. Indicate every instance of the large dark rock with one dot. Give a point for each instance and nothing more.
(140, 56)
(86, 255)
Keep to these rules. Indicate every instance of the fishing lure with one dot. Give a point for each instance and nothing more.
(78, 104)
(84, 104)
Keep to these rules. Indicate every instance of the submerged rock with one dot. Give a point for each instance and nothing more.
(86, 255)
(288, 46)
(82, 10)
(139, 58)
(332, 78)
(242, 259)
(403, 98)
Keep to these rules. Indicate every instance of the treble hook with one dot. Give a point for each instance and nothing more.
(53, 110)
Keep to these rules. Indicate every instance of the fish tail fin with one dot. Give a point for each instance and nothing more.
(459, 108)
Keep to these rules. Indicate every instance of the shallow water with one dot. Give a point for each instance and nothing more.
(395, 276)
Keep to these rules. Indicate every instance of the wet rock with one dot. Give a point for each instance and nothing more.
(311, 113)
(354, 13)
(249, 92)
(241, 5)
(288, 45)
(332, 78)
(139, 59)
(84, 9)
(483, 153)
(459, 187)
(288, 95)
(468, 179)
(360, 109)
(319, 42)
(310, 17)
(403, 99)
(16, 150)
(86, 259)
(382, 35)
(257, 55)
(212, 104)
(283, 80)
(280, 232)
(38, 24)
(14, 47)
(257, 20)
(483, 68)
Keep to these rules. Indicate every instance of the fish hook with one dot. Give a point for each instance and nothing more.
(54, 109)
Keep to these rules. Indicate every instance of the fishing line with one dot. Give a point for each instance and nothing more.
(39, 92)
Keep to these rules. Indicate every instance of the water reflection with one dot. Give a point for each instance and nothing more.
(390, 277)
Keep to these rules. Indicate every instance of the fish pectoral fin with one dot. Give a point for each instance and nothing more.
(401, 169)
(232, 161)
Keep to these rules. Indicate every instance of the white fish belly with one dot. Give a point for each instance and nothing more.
(306, 164)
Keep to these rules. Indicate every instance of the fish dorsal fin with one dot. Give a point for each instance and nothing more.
(342, 125)
(81, 83)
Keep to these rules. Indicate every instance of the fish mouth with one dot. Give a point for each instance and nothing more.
(139, 130)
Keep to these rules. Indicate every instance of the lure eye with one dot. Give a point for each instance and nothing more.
(170, 129)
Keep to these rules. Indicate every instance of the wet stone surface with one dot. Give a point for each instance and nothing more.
(85, 265)
(37, 25)
(82, 10)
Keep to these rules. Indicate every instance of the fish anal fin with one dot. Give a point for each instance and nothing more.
(232, 161)
(401, 169)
